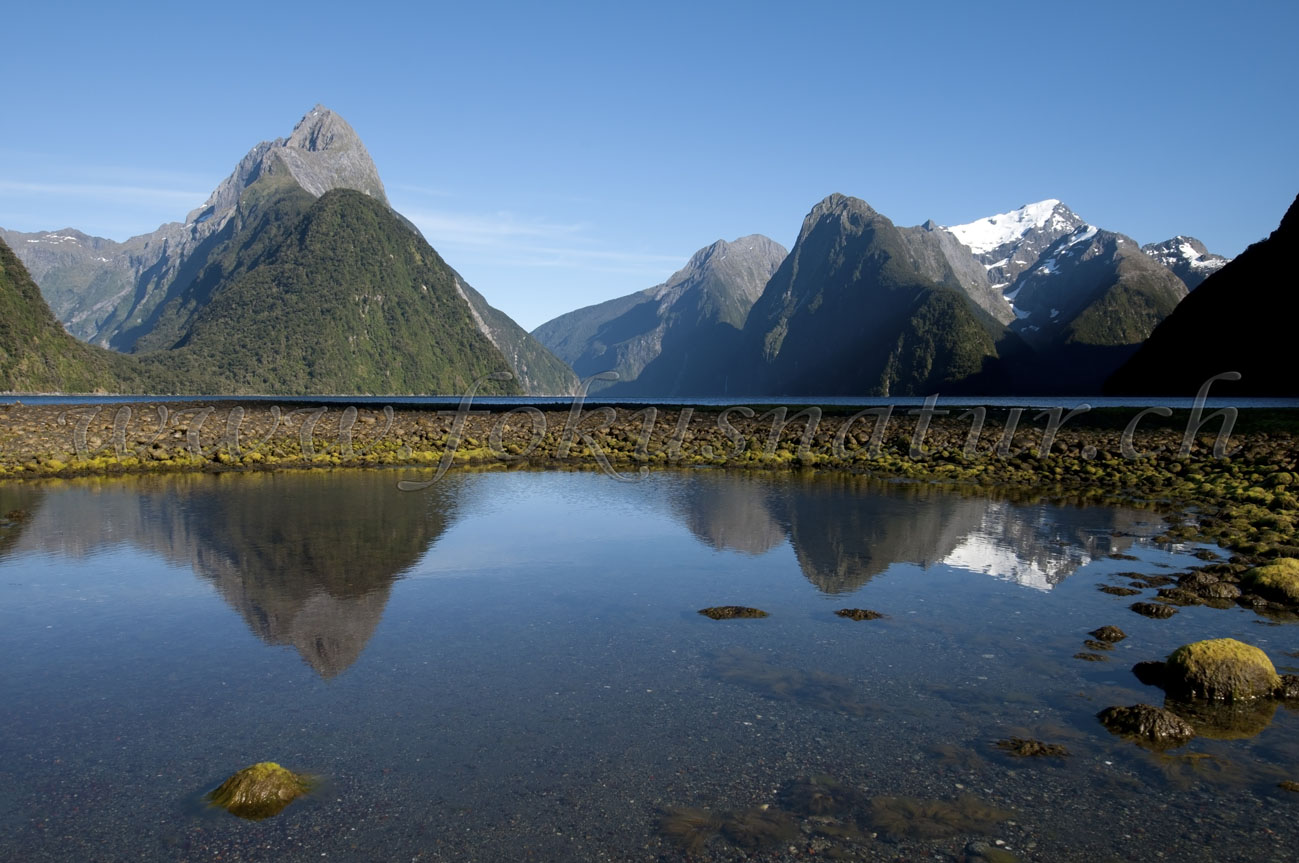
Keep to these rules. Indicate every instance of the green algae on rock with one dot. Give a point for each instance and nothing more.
(1278, 580)
(1153, 726)
(732, 612)
(1220, 668)
(259, 791)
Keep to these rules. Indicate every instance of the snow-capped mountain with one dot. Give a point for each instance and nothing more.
(1187, 258)
(1009, 243)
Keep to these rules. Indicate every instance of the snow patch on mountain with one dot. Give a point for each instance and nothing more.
(984, 235)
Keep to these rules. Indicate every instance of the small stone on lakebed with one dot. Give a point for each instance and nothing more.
(859, 614)
(731, 612)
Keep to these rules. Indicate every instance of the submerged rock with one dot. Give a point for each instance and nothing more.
(911, 818)
(259, 791)
(859, 614)
(819, 795)
(758, 827)
(732, 612)
(1024, 747)
(690, 829)
(1108, 633)
(1091, 657)
(1220, 668)
(1226, 720)
(1163, 728)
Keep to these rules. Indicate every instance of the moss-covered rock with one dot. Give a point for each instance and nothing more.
(1220, 668)
(259, 791)
(1150, 725)
(1278, 580)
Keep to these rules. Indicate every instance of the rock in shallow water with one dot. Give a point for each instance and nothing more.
(859, 614)
(259, 791)
(1220, 668)
(1108, 633)
(1150, 724)
(731, 612)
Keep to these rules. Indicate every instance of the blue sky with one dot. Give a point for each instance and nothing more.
(560, 154)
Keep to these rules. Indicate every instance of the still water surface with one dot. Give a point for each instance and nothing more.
(510, 666)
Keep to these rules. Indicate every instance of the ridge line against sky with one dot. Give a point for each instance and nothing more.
(562, 156)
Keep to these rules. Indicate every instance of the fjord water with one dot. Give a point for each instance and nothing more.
(510, 666)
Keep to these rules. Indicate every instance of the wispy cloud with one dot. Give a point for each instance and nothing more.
(517, 242)
(104, 192)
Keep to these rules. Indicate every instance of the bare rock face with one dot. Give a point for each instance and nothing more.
(322, 153)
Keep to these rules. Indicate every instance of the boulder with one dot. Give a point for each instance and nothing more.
(1220, 668)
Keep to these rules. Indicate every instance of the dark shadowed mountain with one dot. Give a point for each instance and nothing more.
(852, 311)
(1234, 321)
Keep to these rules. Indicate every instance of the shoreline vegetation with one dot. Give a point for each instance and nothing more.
(1230, 473)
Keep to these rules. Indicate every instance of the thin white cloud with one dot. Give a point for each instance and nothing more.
(522, 243)
(427, 191)
(104, 192)
(462, 229)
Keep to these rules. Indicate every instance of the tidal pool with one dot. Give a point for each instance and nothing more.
(512, 666)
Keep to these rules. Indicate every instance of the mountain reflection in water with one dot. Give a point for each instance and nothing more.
(308, 559)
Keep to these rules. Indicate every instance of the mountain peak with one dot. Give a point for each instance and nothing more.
(990, 233)
(322, 129)
(323, 152)
(838, 204)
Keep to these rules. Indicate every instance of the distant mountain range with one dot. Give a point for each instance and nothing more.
(297, 277)
(1030, 301)
(294, 277)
